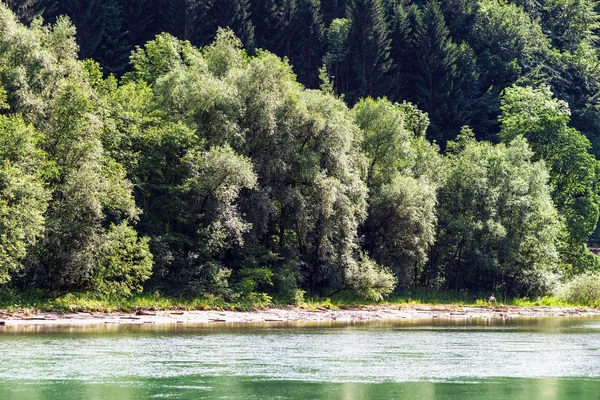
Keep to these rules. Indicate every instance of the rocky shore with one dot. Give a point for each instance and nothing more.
(291, 315)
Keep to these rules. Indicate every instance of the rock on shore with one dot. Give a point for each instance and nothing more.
(292, 314)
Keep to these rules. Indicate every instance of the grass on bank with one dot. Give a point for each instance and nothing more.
(36, 301)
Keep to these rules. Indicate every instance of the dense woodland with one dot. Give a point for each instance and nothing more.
(256, 148)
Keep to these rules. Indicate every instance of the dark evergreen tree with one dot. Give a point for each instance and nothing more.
(460, 17)
(333, 9)
(181, 18)
(114, 49)
(88, 18)
(138, 21)
(283, 12)
(400, 49)
(233, 14)
(308, 50)
(369, 46)
(264, 18)
(444, 77)
(26, 10)
(160, 12)
(301, 38)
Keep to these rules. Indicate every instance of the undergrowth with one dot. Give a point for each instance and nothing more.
(11, 301)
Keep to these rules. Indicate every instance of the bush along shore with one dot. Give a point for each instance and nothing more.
(209, 177)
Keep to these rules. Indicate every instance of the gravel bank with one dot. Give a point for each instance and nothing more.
(291, 314)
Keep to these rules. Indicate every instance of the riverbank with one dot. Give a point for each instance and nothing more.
(292, 314)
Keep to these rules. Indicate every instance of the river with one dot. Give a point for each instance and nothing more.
(537, 358)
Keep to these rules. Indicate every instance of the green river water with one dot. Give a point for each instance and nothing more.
(546, 358)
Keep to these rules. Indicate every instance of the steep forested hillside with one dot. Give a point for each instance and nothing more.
(247, 148)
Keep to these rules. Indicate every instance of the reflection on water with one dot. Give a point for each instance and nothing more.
(459, 359)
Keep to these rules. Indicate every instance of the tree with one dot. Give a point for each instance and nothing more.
(566, 22)
(333, 9)
(498, 227)
(575, 78)
(304, 40)
(400, 50)
(23, 197)
(156, 58)
(369, 44)
(114, 49)
(310, 199)
(336, 57)
(90, 198)
(33, 62)
(232, 14)
(444, 78)
(507, 43)
(543, 121)
(401, 220)
(264, 15)
(139, 17)
(460, 17)
(181, 17)
(88, 17)
(27, 10)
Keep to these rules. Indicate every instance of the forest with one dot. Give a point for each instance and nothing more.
(272, 149)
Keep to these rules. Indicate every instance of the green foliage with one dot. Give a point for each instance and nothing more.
(566, 22)
(214, 172)
(498, 228)
(401, 220)
(543, 121)
(159, 56)
(253, 279)
(582, 289)
(306, 45)
(231, 14)
(23, 197)
(369, 279)
(338, 49)
(33, 62)
(214, 181)
(114, 47)
(125, 262)
(506, 33)
(224, 54)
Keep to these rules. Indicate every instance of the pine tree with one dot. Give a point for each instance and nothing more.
(460, 17)
(333, 9)
(336, 58)
(444, 77)
(400, 52)
(369, 45)
(264, 18)
(180, 18)
(233, 14)
(87, 16)
(138, 18)
(308, 49)
(160, 11)
(114, 49)
(301, 38)
(26, 10)
(283, 12)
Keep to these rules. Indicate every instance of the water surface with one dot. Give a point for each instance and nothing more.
(541, 358)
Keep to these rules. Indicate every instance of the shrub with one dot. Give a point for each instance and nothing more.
(583, 289)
